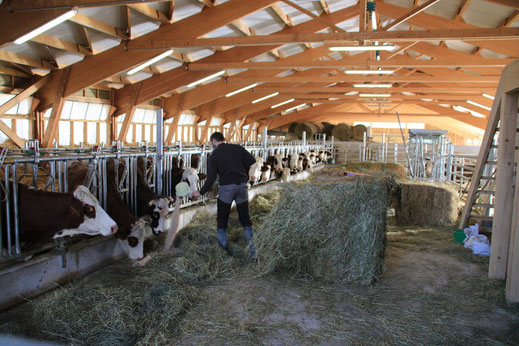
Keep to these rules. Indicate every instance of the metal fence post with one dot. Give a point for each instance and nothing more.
(160, 152)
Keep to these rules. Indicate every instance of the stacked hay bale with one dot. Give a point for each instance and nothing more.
(342, 132)
(339, 237)
(423, 203)
(309, 128)
(358, 132)
(391, 168)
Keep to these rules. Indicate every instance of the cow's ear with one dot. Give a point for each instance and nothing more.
(89, 210)
(202, 176)
(133, 241)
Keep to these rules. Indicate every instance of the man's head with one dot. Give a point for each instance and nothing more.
(216, 139)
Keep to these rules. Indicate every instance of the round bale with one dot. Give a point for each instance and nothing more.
(292, 127)
(327, 130)
(309, 128)
(342, 132)
(358, 132)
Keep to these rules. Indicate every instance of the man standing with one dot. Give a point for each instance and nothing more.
(231, 163)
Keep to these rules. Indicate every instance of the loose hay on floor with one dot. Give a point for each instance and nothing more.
(424, 203)
(334, 231)
(391, 168)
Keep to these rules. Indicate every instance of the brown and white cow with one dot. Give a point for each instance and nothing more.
(45, 215)
(255, 171)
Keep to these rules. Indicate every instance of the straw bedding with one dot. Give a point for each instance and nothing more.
(391, 168)
(339, 237)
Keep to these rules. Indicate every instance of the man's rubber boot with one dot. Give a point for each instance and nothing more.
(248, 237)
(221, 237)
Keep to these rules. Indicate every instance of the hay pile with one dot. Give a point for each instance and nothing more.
(310, 128)
(129, 305)
(423, 203)
(342, 132)
(338, 237)
(391, 168)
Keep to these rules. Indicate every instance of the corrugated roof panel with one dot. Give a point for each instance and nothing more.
(486, 14)
(186, 8)
(223, 31)
(337, 5)
(67, 31)
(141, 25)
(263, 58)
(262, 22)
(197, 54)
(168, 64)
(291, 49)
(111, 15)
(101, 41)
(30, 49)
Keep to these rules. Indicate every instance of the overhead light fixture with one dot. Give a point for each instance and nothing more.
(375, 95)
(361, 48)
(282, 103)
(65, 16)
(479, 105)
(295, 107)
(488, 96)
(372, 85)
(150, 62)
(466, 110)
(242, 89)
(266, 97)
(376, 101)
(200, 81)
(369, 71)
(350, 93)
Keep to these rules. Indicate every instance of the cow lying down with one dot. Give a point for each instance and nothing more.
(45, 215)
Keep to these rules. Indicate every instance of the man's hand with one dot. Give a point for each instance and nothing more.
(196, 194)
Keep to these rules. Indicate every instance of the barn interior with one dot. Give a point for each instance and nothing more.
(401, 226)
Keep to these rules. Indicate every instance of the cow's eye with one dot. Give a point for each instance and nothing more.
(89, 211)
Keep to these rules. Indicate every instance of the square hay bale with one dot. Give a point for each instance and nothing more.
(421, 203)
(333, 231)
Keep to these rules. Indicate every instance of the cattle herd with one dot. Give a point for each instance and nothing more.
(44, 215)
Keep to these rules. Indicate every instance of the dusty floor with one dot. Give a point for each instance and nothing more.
(433, 292)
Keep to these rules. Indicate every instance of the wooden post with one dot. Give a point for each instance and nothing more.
(173, 129)
(512, 277)
(50, 132)
(503, 205)
(126, 124)
(205, 130)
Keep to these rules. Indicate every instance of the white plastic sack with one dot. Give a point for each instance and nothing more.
(481, 249)
(471, 231)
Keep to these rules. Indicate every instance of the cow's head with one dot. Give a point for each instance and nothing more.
(95, 219)
(191, 177)
(159, 209)
(133, 245)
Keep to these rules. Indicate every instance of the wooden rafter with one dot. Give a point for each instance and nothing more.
(25, 60)
(386, 79)
(356, 63)
(334, 38)
(150, 12)
(33, 5)
(61, 44)
(462, 9)
(99, 26)
(409, 15)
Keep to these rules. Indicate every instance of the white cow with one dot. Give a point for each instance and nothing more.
(255, 170)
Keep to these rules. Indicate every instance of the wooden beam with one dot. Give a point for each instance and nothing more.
(462, 9)
(126, 124)
(52, 125)
(354, 63)
(325, 7)
(13, 72)
(15, 25)
(205, 130)
(281, 15)
(410, 14)
(337, 38)
(429, 90)
(150, 12)
(99, 26)
(362, 17)
(509, 20)
(173, 126)
(25, 60)
(171, 9)
(311, 15)
(33, 5)
(512, 272)
(61, 44)
(431, 22)
(509, 3)
(238, 24)
(504, 199)
(94, 69)
(349, 78)
(23, 95)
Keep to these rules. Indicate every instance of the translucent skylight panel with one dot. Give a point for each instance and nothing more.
(79, 127)
(104, 112)
(150, 116)
(25, 106)
(91, 133)
(186, 8)
(64, 133)
(216, 121)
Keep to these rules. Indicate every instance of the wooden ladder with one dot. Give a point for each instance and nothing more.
(493, 185)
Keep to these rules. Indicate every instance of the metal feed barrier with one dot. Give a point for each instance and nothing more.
(47, 169)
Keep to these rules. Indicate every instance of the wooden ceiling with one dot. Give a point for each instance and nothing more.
(443, 58)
